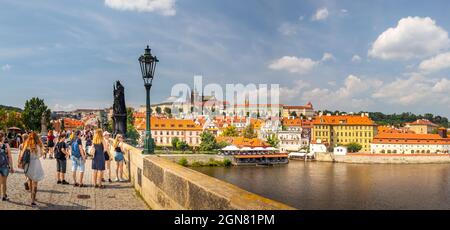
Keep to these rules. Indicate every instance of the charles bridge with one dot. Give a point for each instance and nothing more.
(153, 183)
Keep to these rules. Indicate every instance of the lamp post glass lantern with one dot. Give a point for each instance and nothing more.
(148, 66)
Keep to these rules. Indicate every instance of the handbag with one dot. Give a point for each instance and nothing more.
(25, 160)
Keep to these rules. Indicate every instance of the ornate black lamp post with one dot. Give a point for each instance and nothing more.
(148, 65)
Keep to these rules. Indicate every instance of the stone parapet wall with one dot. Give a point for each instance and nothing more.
(165, 185)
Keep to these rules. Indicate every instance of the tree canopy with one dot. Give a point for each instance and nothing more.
(32, 114)
(249, 132)
(230, 131)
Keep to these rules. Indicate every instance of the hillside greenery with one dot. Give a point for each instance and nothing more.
(400, 118)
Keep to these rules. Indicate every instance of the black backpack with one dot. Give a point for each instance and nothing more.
(58, 153)
(3, 157)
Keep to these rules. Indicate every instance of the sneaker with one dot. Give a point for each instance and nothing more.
(64, 182)
(109, 180)
(117, 180)
(59, 182)
(81, 185)
(27, 187)
(76, 185)
(122, 180)
(33, 204)
(5, 198)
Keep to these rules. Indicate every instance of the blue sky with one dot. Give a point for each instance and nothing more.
(388, 56)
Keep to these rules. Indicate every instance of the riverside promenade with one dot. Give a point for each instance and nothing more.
(52, 196)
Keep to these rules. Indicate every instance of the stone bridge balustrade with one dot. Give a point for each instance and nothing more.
(165, 185)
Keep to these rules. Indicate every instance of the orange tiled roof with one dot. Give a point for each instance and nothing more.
(70, 123)
(291, 122)
(343, 120)
(168, 124)
(388, 129)
(241, 142)
(409, 138)
(422, 122)
(307, 106)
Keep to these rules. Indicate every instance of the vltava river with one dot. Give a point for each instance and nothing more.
(318, 185)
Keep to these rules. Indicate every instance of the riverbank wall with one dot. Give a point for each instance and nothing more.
(202, 158)
(384, 159)
(165, 185)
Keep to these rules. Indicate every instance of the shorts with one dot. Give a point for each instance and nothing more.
(61, 165)
(4, 171)
(51, 144)
(118, 157)
(77, 164)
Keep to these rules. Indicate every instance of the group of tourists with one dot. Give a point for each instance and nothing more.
(62, 146)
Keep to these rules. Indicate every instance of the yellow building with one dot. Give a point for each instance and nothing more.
(164, 130)
(345, 129)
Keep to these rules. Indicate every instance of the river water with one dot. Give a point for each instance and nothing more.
(319, 185)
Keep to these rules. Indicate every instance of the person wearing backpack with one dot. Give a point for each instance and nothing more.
(6, 165)
(35, 172)
(78, 157)
(61, 154)
(88, 137)
(21, 150)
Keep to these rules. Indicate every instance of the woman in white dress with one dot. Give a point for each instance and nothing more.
(35, 173)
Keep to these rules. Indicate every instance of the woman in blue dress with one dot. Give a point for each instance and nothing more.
(98, 162)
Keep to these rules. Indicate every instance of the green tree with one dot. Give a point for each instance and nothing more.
(182, 145)
(222, 144)
(293, 114)
(167, 111)
(32, 114)
(230, 131)
(249, 131)
(353, 147)
(175, 141)
(208, 141)
(132, 134)
(273, 140)
(183, 162)
(3, 117)
(158, 110)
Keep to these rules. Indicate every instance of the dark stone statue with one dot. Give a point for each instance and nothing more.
(119, 110)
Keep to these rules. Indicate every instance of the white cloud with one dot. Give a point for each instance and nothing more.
(413, 37)
(6, 67)
(439, 62)
(356, 58)
(287, 28)
(442, 86)
(321, 14)
(68, 107)
(353, 94)
(164, 7)
(294, 64)
(328, 57)
(414, 90)
(344, 11)
(293, 92)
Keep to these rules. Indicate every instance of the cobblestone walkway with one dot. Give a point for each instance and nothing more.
(52, 196)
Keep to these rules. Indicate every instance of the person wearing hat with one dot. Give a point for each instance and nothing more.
(106, 136)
